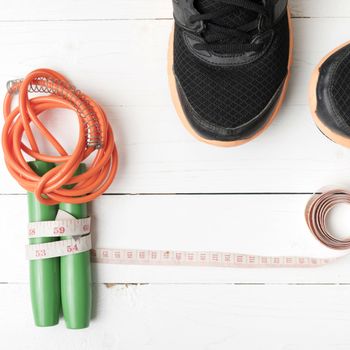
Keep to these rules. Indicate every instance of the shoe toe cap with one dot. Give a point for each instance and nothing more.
(217, 132)
(331, 92)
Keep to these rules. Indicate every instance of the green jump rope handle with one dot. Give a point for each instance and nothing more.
(44, 274)
(76, 275)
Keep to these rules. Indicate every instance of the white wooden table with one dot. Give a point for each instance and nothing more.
(175, 193)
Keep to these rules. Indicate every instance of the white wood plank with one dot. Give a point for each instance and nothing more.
(265, 225)
(190, 317)
(86, 10)
(95, 46)
(320, 8)
(41, 10)
(157, 154)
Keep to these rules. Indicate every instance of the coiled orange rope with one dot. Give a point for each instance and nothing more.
(95, 135)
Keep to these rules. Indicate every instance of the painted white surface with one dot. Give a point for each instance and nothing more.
(97, 45)
(191, 317)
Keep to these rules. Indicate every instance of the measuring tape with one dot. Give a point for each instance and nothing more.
(163, 257)
(204, 259)
(60, 227)
(80, 241)
(58, 248)
(316, 213)
(65, 225)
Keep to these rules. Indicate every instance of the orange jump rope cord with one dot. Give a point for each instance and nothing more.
(95, 138)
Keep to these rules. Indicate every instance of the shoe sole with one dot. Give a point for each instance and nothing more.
(339, 139)
(181, 114)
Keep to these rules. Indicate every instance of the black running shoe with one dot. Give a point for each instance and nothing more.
(229, 63)
(330, 95)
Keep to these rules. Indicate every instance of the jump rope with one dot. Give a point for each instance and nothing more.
(62, 185)
(59, 188)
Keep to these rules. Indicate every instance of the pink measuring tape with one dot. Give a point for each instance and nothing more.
(316, 216)
(204, 259)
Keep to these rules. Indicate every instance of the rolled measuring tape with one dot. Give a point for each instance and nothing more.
(60, 272)
(317, 212)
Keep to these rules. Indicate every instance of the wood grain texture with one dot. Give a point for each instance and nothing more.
(98, 45)
(190, 317)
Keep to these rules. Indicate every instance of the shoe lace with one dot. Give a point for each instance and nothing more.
(233, 40)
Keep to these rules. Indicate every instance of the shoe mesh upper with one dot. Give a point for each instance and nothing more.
(340, 88)
(230, 97)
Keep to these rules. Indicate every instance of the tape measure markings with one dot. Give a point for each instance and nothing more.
(65, 225)
(59, 228)
(196, 258)
(58, 248)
